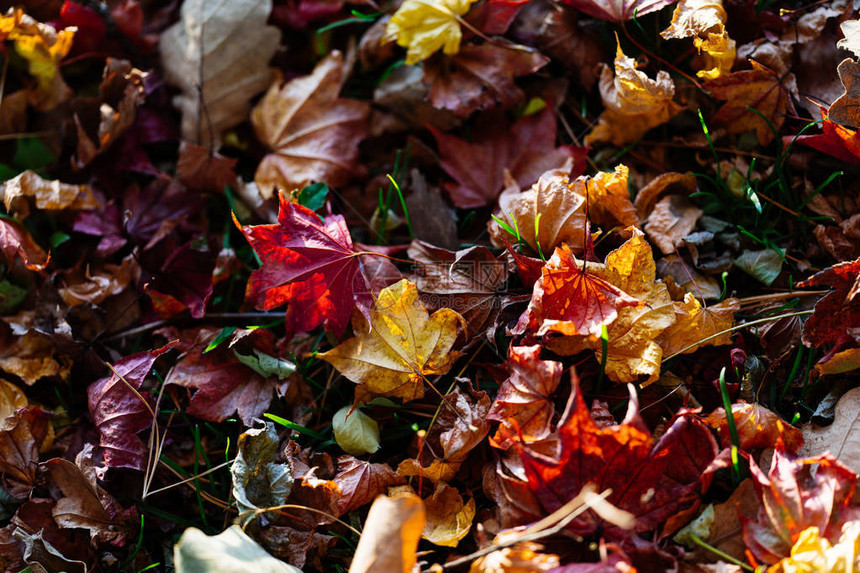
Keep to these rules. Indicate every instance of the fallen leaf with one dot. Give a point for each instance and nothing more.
(229, 551)
(758, 428)
(203, 169)
(695, 325)
(813, 552)
(355, 432)
(360, 482)
(844, 111)
(259, 480)
(524, 557)
(310, 264)
(403, 346)
(448, 517)
(764, 265)
(525, 399)
(672, 218)
(47, 195)
(526, 149)
(21, 437)
(218, 56)
(111, 280)
(33, 357)
(84, 504)
(618, 10)
(480, 77)
(11, 400)
(42, 557)
(841, 438)
(760, 89)
(836, 312)
(570, 301)
(425, 26)
(798, 493)
(839, 363)
(633, 103)
(16, 240)
(120, 410)
(704, 21)
(390, 537)
(653, 481)
(313, 134)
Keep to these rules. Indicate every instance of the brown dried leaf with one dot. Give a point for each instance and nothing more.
(202, 169)
(390, 537)
(110, 281)
(448, 517)
(32, 357)
(360, 482)
(20, 440)
(12, 399)
(673, 218)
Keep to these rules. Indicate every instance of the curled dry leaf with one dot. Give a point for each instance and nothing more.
(47, 195)
(426, 27)
(758, 428)
(403, 345)
(95, 288)
(633, 103)
(844, 111)
(448, 517)
(695, 325)
(390, 537)
(259, 480)
(672, 218)
(813, 552)
(218, 56)
(33, 357)
(16, 241)
(704, 21)
(313, 134)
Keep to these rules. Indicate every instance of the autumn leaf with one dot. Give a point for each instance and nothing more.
(230, 550)
(757, 428)
(11, 400)
(49, 195)
(309, 263)
(21, 436)
(259, 479)
(312, 133)
(653, 481)
(759, 89)
(704, 21)
(618, 10)
(521, 558)
(33, 357)
(670, 220)
(425, 26)
(16, 241)
(449, 518)
(844, 111)
(360, 482)
(835, 140)
(218, 56)
(813, 552)
(695, 325)
(569, 300)
(403, 346)
(796, 494)
(480, 77)
(633, 103)
(391, 534)
(202, 169)
(836, 312)
(526, 149)
(525, 397)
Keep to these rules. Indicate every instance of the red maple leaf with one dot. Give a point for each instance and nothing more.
(526, 149)
(569, 300)
(837, 312)
(652, 481)
(309, 263)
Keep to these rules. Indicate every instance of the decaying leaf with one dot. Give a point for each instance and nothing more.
(33, 357)
(313, 134)
(633, 103)
(426, 26)
(404, 344)
(48, 195)
(846, 109)
(16, 241)
(765, 265)
(218, 56)
(704, 21)
(672, 218)
(11, 400)
(20, 439)
(448, 517)
(695, 323)
(838, 311)
(391, 534)
(259, 480)
(229, 551)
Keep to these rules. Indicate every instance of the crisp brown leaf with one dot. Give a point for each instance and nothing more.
(203, 169)
(695, 325)
(672, 218)
(46, 195)
(360, 482)
(449, 518)
(20, 439)
(33, 357)
(391, 534)
(838, 311)
(313, 134)
(480, 77)
(846, 109)
(11, 400)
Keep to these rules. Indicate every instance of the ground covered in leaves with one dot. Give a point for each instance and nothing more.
(431, 285)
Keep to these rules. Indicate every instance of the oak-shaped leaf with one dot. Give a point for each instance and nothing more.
(618, 10)
(83, 504)
(310, 264)
(120, 411)
(525, 397)
(480, 77)
(403, 345)
(569, 300)
(837, 311)
(796, 494)
(760, 89)
(652, 480)
(526, 149)
(313, 134)
(21, 437)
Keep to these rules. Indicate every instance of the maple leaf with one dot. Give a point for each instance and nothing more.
(653, 481)
(403, 346)
(761, 89)
(525, 397)
(313, 133)
(798, 493)
(309, 263)
(695, 323)
(526, 149)
(835, 140)
(569, 300)
(21, 437)
(120, 411)
(836, 312)
(704, 20)
(618, 10)
(480, 76)
(633, 103)
(425, 26)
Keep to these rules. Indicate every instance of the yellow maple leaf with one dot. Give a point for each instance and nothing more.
(695, 323)
(403, 345)
(425, 26)
(812, 553)
(633, 103)
(704, 21)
